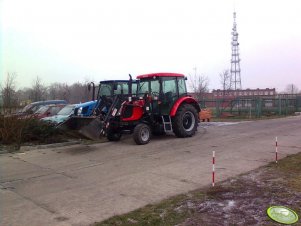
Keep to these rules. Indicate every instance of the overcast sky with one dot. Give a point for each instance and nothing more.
(70, 40)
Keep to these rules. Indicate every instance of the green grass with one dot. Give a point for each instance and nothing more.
(274, 184)
(167, 212)
(290, 168)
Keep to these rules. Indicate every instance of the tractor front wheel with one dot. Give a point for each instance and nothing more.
(185, 122)
(142, 134)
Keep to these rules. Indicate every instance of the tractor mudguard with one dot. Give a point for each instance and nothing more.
(181, 100)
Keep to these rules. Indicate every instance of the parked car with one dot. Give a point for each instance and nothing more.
(62, 115)
(48, 110)
(33, 107)
(84, 109)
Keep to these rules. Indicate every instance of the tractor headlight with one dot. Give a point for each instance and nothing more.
(79, 111)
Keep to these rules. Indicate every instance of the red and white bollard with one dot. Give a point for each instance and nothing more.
(213, 167)
(276, 152)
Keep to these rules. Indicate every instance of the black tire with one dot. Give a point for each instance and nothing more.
(185, 122)
(113, 135)
(142, 134)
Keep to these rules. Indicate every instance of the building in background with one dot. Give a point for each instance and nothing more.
(244, 93)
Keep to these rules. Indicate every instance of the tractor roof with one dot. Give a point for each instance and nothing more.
(160, 75)
(112, 81)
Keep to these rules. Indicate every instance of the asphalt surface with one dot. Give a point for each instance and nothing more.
(82, 184)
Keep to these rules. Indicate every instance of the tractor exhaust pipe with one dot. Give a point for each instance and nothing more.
(130, 87)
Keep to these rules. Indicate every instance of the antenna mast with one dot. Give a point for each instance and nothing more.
(235, 79)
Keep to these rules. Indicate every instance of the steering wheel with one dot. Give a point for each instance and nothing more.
(155, 93)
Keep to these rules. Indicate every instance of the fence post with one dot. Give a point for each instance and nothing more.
(279, 106)
(213, 168)
(217, 108)
(286, 106)
(276, 151)
(257, 107)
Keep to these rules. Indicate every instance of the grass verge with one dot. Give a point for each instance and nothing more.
(241, 200)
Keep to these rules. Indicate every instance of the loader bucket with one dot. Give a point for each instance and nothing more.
(92, 130)
(88, 127)
(75, 122)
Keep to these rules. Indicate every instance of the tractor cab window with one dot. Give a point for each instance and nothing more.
(105, 90)
(182, 86)
(155, 87)
(143, 88)
(134, 88)
(125, 88)
(119, 89)
(169, 94)
(169, 87)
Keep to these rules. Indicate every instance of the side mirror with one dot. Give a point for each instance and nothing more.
(185, 78)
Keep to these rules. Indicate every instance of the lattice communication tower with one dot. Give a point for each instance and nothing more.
(235, 79)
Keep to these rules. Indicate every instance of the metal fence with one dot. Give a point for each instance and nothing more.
(253, 107)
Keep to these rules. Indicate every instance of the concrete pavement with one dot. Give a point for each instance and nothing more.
(81, 184)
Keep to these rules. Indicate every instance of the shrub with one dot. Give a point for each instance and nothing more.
(16, 130)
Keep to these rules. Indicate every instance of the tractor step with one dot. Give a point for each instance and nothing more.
(167, 123)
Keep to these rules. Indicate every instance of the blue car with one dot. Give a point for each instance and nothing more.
(83, 109)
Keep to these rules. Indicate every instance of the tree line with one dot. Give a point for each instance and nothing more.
(13, 98)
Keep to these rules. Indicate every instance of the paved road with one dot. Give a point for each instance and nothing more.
(81, 184)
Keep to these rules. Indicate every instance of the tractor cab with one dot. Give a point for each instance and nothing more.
(88, 126)
(110, 88)
(162, 89)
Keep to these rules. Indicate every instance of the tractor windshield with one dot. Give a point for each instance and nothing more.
(125, 87)
(105, 90)
(143, 88)
(119, 88)
(134, 88)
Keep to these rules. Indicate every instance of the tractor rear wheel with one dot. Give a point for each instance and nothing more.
(142, 134)
(113, 135)
(185, 122)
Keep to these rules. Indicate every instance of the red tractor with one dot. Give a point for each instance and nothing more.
(160, 105)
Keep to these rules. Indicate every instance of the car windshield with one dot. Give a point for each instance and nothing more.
(27, 108)
(42, 110)
(69, 109)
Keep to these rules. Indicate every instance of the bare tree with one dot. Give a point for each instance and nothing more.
(291, 89)
(225, 80)
(8, 92)
(24, 96)
(199, 84)
(38, 91)
(79, 93)
(59, 91)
